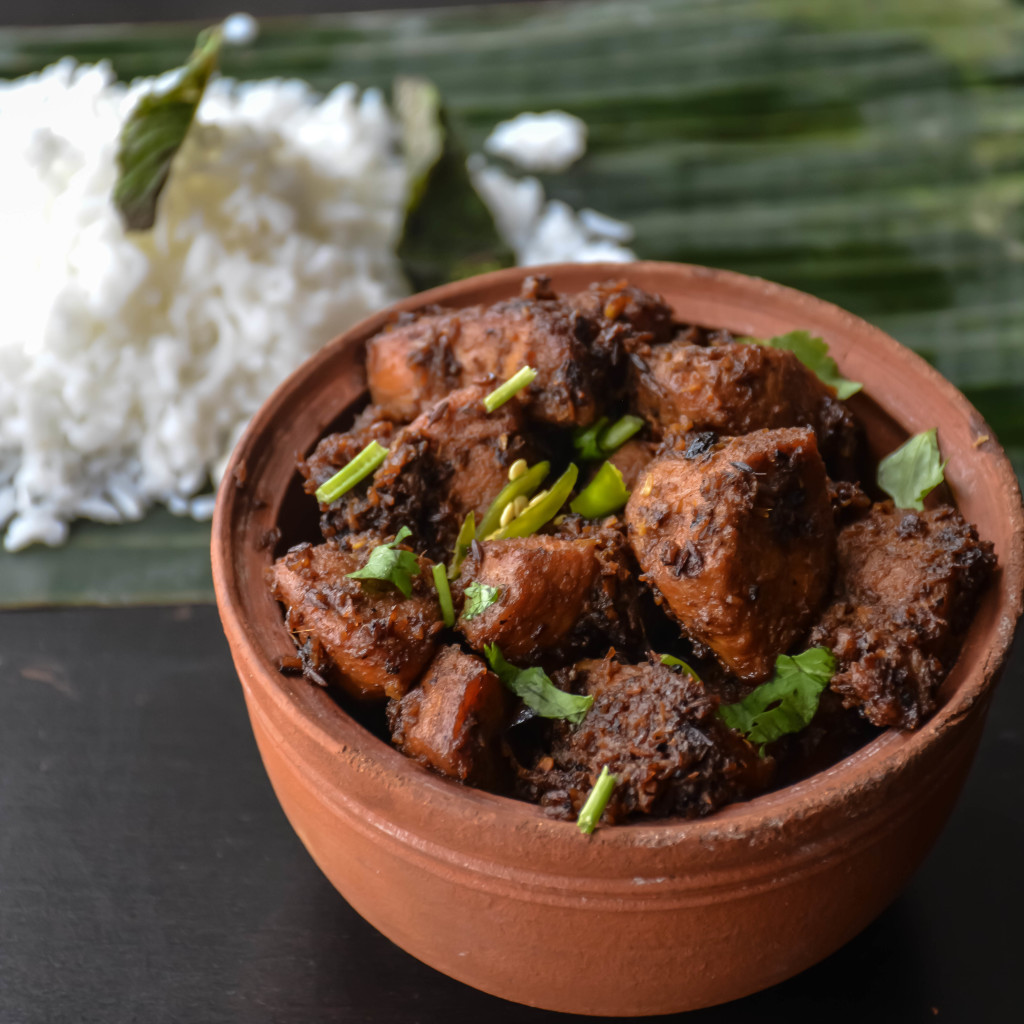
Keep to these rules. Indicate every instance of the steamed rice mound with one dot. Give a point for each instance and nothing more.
(129, 363)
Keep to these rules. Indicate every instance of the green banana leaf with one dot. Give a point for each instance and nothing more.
(870, 154)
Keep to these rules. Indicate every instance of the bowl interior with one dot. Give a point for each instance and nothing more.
(262, 510)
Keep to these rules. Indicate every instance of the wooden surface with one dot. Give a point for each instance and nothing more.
(147, 873)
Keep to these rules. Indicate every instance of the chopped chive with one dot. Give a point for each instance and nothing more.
(533, 518)
(605, 494)
(351, 473)
(501, 394)
(444, 594)
(466, 534)
(525, 484)
(619, 433)
(592, 810)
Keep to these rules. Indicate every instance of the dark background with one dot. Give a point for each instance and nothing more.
(147, 873)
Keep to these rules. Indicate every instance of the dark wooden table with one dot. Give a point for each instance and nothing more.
(147, 873)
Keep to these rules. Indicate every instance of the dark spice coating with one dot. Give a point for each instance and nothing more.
(453, 720)
(451, 460)
(416, 362)
(907, 585)
(735, 536)
(558, 597)
(739, 541)
(361, 635)
(734, 388)
(656, 729)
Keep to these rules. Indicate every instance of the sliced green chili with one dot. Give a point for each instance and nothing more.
(525, 484)
(605, 494)
(536, 515)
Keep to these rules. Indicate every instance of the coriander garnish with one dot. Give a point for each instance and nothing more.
(479, 597)
(910, 473)
(536, 690)
(390, 565)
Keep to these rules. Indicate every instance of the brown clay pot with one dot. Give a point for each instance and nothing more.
(637, 919)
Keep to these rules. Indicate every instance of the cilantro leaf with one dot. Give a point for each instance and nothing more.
(910, 473)
(813, 353)
(391, 565)
(536, 690)
(787, 702)
(479, 597)
(154, 132)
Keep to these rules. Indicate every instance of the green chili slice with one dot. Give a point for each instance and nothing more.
(535, 516)
(605, 494)
(525, 484)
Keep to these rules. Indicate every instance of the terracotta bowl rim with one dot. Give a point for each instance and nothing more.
(865, 769)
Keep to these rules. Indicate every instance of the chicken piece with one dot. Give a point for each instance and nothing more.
(557, 596)
(451, 460)
(452, 722)
(906, 588)
(739, 542)
(632, 459)
(336, 450)
(626, 315)
(412, 364)
(363, 635)
(656, 729)
(734, 388)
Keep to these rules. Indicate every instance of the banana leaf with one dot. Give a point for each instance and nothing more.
(870, 154)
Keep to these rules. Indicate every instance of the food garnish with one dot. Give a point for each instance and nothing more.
(911, 472)
(462, 542)
(813, 353)
(541, 508)
(449, 233)
(154, 132)
(673, 662)
(535, 689)
(356, 469)
(479, 597)
(390, 564)
(787, 702)
(501, 394)
(526, 483)
(605, 494)
(444, 594)
(597, 801)
(601, 439)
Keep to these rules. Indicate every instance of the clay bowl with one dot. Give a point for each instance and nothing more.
(638, 919)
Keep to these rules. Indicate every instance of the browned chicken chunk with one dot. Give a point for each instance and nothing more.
(452, 722)
(739, 542)
(363, 635)
(656, 730)
(556, 596)
(734, 388)
(413, 363)
(625, 315)
(906, 587)
(451, 460)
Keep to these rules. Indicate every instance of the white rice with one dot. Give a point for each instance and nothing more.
(130, 363)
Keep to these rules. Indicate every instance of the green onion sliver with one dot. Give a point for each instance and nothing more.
(444, 594)
(531, 519)
(619, 433)
(592, 810)
(525, 484)
(466, 534)
(351, 473)
(605, 494)
(501, 394)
